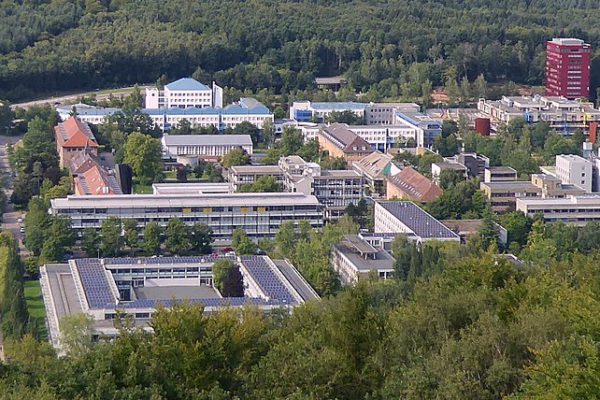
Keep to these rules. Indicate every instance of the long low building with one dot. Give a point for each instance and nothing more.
(259, 214)
(576, 210)
(204, 146)
(245, 110)
(135, 287)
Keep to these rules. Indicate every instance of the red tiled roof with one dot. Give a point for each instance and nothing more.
(82, 162)
(74, 133)
(415, 185)
(96, 181)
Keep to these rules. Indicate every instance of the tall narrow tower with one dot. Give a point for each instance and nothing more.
(568, 68)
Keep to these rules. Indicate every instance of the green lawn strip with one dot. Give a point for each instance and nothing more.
(35, 306)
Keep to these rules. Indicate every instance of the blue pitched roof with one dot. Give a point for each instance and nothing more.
(240, 110)
(187, 84)
(246, 106)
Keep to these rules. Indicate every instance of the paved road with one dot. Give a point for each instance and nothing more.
(10, 218)
(100, 95)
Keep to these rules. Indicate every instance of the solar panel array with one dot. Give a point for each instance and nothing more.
(95, 283)
(99, 294)
(265, 277)
(417, 220)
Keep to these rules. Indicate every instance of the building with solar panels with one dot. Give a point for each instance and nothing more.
(408, 218)
(259, 214)
(108, 288)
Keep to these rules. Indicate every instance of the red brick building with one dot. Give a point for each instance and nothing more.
(74, 138)
(568, 68)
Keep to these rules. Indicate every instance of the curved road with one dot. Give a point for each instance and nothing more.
(67, 98)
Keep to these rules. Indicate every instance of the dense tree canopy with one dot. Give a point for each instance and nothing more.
(401, 49)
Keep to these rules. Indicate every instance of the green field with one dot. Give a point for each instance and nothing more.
(142, 189)
(35, 306)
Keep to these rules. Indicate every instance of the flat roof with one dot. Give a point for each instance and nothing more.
(339, 173)
(178, 292)
(502, 170)
(420, 222)
(207, 140)
(589, 200)
(329, 80)
(185, 200)
(257, 169)
(338, 105)
(567, 41)
(190, 188)
(450, 165)
(463, 225)
(359, 245)
(572, 157)
(508, 185)
(382, 260)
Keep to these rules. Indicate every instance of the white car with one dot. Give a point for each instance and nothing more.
(22, 230)
(20, 220)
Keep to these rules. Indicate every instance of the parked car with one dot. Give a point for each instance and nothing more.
(20, 220)
(22, 230)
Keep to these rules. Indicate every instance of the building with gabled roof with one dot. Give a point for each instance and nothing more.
(374, 168)
(82, 162)
(339, 141)
(409, 184)
(96, 181)
(73, 138)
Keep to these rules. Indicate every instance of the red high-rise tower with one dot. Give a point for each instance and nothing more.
(568, 68)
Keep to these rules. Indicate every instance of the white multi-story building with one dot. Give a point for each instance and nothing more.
(185, 93)
(165, 118)
(564, 116)
(335, 189)
(575, 170)
(354, 259)
(380, 137)
(259, 214)
(246, 110)
(309, 111)
(383, 137)
(426, 128)
(372, 113)
(576, 210)
(204, 146)
(85, 113)
(240, 175)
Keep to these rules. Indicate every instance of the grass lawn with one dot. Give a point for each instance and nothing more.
(35, 306)
(142, 189)
(170, 175)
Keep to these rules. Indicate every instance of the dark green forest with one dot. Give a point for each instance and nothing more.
(389, 48)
